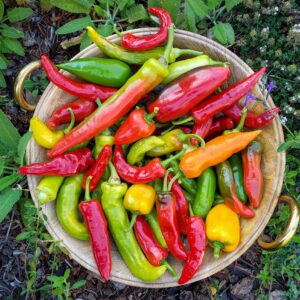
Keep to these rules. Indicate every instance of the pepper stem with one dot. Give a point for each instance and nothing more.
(132, 221)
(169, 45)
(179, 52)
(149, 117)
(184, 136)
(183, 121)
(170, 268)
(72, 122)
(168, 130)
(117, 32)
(166, 162)
(114, 177)
(241, 124)
(191, 210)
(218, 246)
(98, 102)
(173, 180)
(165, 183)
(87, 195)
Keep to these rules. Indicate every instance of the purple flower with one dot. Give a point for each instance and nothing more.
(271, 86)
(249, 97)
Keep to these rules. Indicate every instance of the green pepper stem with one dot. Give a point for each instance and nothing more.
(168, 130)
(87, 195)
(169, 45)
(116, 30)
(165, 183)
(218, 246)
(114, 177)
(72, 122)
(149, 117)
(98, 102)
(173, 180)
(132, 221)
(191, 210)
(166, 162)
(183, 121)
(184, 136)
(241, 124)
(170, 268)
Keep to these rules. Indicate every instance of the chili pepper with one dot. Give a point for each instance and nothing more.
(153, 222)
(207, 184)
(139, 199)
(218, 126)
(96, 224)
(47, 188)
(104, 71)
(67, 207)
(168, 222)
(82, 108)
(201, 130)
(222, 229)
(215, 151)
(228, 190)
(197, 241)
(103, 138)
(253, 177)
(138, 125)
(66, 164)
(180, 96)
(134, 57)
(238, 175)
(181, 205)
(43, 135)
(226, 98)
(88, 91)
(139, 149)
(252, 120)
(98, 168)
(112, 202)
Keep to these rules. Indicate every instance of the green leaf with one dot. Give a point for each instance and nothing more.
(67, 274)
(12, 32)
(3, 62)
(74, 6)
(2, 82)
(190, 17)
(105, 30)
(18, 14)
(2, 164)
(22, 147)
(100, 11)
(46, 5)
(23, 236)
(7, 200)
(1, 9)
(85, 42)
(173, 7)
(74, 25)
(199, 8)
(14, 45)
(122, 4)
(7, 181)
(78, 284)
(212, 4)
(229, 4)
(53, 278)
(224, 33)
(136, 13)
(285, 146)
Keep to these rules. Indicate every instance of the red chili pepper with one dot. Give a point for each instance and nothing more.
(226, 98)
(66, 164)
(181, 205)
(98, 168)
(181, 95)
(82, 108)
(252, 120)
(253, 177)
(138, 125)
(202, 130)
(96, 224)
(88, 91)
(197, 241)
(218, 126)
(153, 170)
(142, 43)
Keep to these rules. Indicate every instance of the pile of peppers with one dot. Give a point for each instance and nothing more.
(151, 156)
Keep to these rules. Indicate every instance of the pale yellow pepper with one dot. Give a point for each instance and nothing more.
(222, 229)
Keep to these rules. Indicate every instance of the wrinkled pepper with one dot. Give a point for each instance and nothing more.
(218, 126)
(201, 130)
(47, 188)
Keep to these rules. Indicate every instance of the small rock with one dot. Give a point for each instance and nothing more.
(243, 288)
(276, 295)
(119, 286)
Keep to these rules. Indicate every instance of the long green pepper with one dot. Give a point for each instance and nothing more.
(47, 189)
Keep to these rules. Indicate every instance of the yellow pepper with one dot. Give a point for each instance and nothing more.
(222, 229)
(139, 199)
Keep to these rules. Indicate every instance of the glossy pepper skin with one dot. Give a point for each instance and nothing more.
(228, 190)
(252, 120)
(201, 130)
(82, 108)
(197, 241)
(67, 206)
(253, 177)
(47, 188)
(207, 184)
(44, 136)
(218, 126)
(98, 168)
(66, 164)
(216, 151)
(99, 70)
(113, 192)
(142, 43)
(137, 125)
(88, 91)
(103, 138)
(180, 96)
(222, 229)
(144, 80)
(228, 97)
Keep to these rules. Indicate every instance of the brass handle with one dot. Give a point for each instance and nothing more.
(19, 84)
(289, 231)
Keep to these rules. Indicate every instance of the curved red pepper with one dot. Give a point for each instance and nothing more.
(142, 43)
(82, 108)
(98, 168)
(181, 95)
(197, 241)
(201, 130)
(218, 126)
(153, 170)
(252, 120)
(181, 205)
(226, 98)
(88, 91)
(66, 164)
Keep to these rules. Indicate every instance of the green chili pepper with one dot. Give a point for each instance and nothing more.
(103, 138)
(67, 207)
(238, 175)
(205, 195)
(104, 71)
(112, 202)
(218, 199)
(47, 189)
(138, 149)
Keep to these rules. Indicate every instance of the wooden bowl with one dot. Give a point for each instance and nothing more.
(273, 164)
